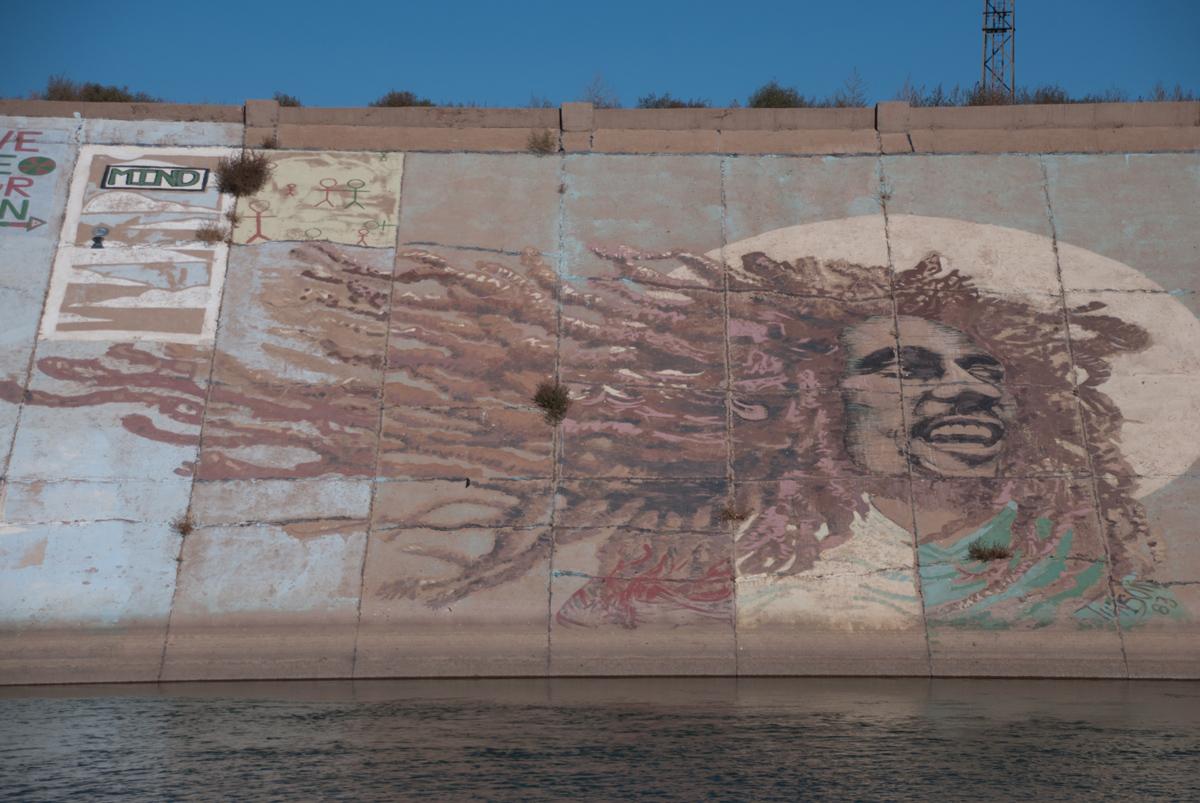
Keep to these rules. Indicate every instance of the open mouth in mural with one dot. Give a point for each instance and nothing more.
(961, 433)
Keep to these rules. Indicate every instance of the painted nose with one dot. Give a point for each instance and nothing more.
(967, 402)
(957, 380)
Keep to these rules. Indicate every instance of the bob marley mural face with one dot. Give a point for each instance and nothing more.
(955, 411)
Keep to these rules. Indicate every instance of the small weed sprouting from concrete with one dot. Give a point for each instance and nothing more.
(233, 217)
(988, 552)
(269, 143)
(554, 400)
(211, 233)
(244, 174)
(542, 143)
(184, 525)
(731, 513)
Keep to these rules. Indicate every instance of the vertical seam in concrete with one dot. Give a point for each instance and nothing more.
(387, 339)
(884, 196)
(730, 479)
(556, 442)
(1087, 443)
(212, 359)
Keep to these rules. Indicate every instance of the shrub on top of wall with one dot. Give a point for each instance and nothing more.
(667, 101)
(773, 95)
(59, 87)
(395, 97)
(284, 99)
(918, 95)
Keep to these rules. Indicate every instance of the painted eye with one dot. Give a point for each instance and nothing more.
(988, 373)
(889, 369)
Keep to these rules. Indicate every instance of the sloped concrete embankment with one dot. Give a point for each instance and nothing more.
(817, 358)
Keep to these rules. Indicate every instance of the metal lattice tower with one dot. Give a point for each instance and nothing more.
(999, 51)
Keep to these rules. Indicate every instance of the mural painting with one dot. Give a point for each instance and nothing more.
(26, 166)
(349, 198)
(35, 165)
(883, 422)
(872, 426)
(130, 264)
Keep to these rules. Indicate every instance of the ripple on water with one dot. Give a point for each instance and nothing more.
(669, 740)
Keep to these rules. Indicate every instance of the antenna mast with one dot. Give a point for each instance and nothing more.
(999, 51)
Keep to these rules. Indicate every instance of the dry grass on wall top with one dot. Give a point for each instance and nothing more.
(398, 99)
(59, 87)
(244, 174)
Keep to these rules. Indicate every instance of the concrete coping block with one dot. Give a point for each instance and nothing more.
(734, 119)
(635, 140)
(892, 116)
(1072, 115)
(578, 117)
(797, 141)
(1123, 139)
(262, 113)
(421, 117)
(181, 112)
(403, 138)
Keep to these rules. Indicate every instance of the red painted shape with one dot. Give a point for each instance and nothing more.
(21, 135)
(15, 183)
(23, 138)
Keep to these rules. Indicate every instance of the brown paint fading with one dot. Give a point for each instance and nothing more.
(170, 384)
(256, 431)
(489, 442)
(34, 556)
(461, 334)
(292, 311)
(441, 568)
(124, 320)
(455, 504)
(815, 471)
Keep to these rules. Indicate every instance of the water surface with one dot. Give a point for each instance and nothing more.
(719, 739)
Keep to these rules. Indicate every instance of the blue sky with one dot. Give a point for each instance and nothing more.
(499, 53)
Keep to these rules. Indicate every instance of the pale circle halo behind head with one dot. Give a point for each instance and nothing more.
(1157, 389)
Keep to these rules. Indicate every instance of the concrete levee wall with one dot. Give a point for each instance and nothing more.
(817, 359)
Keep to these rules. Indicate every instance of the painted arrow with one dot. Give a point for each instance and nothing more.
(28, 225)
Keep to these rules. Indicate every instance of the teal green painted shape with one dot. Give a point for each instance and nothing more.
(949, 575)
